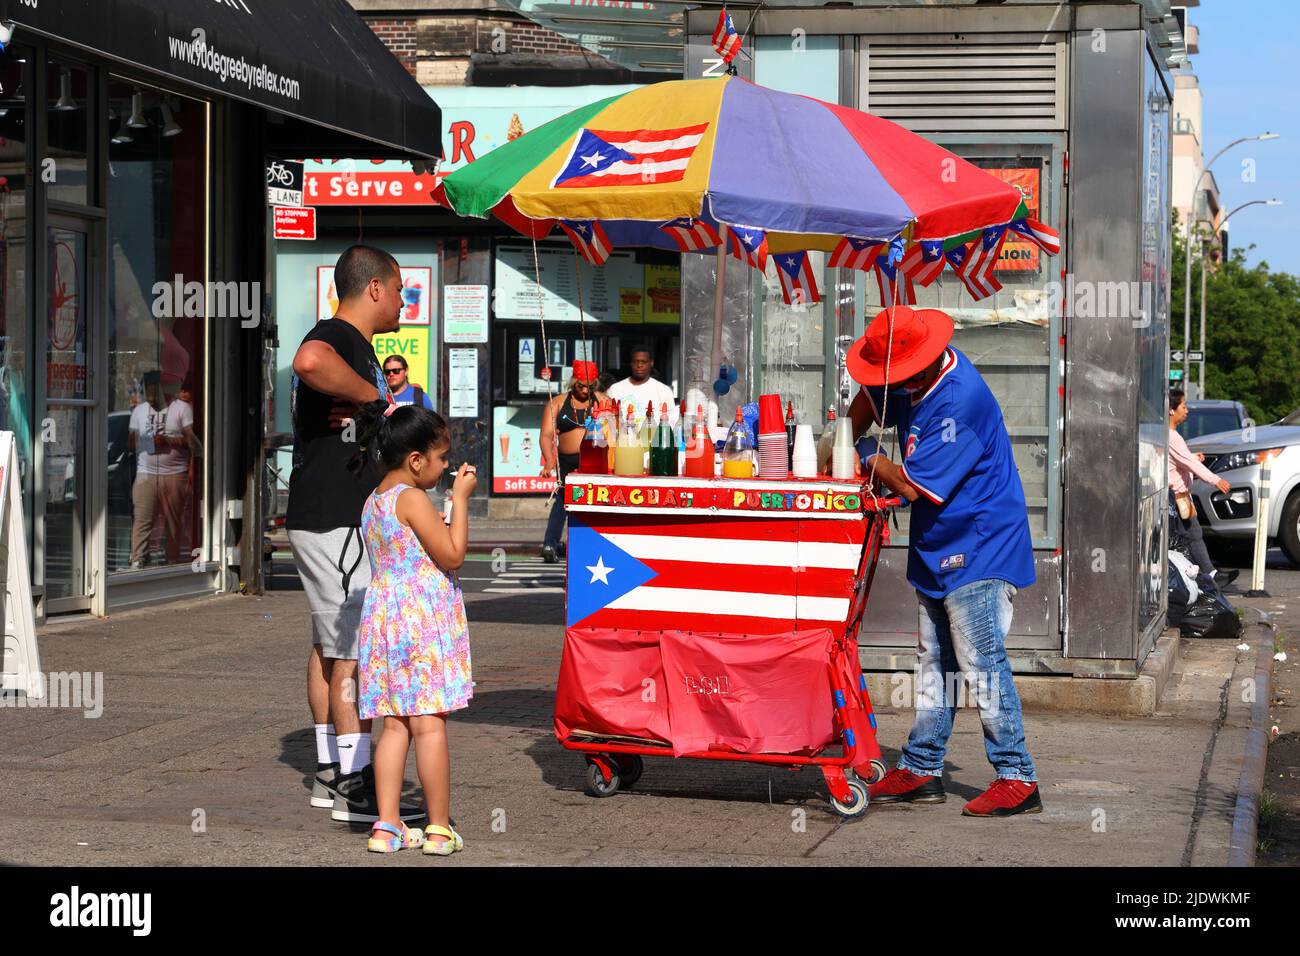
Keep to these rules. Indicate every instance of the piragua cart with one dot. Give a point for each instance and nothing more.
(718, 620)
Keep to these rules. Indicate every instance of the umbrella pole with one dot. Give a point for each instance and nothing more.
(717, 309)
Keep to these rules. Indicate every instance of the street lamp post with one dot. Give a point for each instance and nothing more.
(1187, 250)
(1204, 248)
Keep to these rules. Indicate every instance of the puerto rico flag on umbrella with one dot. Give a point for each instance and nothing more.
(985, 251)
(725, 38)
(1034, 231)
(856, 254)
(589, 239)
(749, 245)
(692, 235)
(924, 261)
(632, 158)
(797, 282)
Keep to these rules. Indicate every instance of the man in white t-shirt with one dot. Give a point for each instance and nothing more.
(640, 389)
(162, 434)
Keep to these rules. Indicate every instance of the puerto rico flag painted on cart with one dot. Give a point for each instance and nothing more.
(631, 158)
(711, 574)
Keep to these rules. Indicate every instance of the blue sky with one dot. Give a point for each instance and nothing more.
(1246, 64)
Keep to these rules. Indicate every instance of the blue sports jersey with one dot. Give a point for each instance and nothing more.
(969, 522)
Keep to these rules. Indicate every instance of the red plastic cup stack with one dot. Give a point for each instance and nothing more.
(773, 454)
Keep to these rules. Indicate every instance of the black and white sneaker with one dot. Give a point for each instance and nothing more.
(354, 799)
(325, 785)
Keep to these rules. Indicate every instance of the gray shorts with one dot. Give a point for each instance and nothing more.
(335, 572)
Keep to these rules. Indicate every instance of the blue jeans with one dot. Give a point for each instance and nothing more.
(555, 521)
(962, 649)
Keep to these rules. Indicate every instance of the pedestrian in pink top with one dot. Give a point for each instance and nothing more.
(1184, 466)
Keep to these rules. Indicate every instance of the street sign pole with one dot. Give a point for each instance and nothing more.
(1261, 531)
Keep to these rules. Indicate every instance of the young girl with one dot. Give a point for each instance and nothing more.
(414, 642)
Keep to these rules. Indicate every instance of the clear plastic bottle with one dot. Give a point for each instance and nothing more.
(826, 443)
(663, 447)
(593, 453)
(629, 456)
(738, 451)
(699, 448)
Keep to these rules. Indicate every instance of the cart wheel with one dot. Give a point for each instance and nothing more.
(630, 767)
(596, 785)
(857, 805)
(878, 771)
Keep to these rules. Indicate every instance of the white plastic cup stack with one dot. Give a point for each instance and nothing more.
(805, 452)
(844, 457)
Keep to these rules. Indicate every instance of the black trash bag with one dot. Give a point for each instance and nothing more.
(1178, 597)
(1210, 616)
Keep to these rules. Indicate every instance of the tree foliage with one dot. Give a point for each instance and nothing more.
(1252, 327)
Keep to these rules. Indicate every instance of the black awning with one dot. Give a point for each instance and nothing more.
(313, 59)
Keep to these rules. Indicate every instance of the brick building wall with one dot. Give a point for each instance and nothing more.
(436, 49)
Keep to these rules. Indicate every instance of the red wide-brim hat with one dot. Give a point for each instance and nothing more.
(919, 337)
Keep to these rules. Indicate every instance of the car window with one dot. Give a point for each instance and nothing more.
(1207, 421)
(1292, 419)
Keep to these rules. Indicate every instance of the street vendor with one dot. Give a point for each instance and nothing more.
(969, 551)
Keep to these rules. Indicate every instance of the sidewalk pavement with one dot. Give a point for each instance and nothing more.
(204, 751)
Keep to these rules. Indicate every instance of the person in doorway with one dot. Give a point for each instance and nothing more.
(404, 393)
(640, 389)
(969, 549)
(563, 422)
(335, 371)
(1184, 466)
(145, 438)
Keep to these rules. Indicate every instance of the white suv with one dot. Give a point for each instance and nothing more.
(1235, 457)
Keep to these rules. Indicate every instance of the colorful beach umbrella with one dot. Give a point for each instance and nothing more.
(727, 152)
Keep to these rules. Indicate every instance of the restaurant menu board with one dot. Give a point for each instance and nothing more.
(516, 451)
(462, 383)
(621, 291)
(465, 314)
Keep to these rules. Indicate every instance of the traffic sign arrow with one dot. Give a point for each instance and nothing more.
(1176, 356)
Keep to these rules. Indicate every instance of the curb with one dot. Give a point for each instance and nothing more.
(1245, 817)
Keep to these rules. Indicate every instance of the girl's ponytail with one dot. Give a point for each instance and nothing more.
(369, 421)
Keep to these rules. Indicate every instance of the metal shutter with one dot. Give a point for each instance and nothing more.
(979, 83)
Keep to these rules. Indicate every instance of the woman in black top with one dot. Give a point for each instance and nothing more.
(563, 424)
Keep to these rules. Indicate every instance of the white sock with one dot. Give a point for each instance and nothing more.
(354, 752)
(327, 748)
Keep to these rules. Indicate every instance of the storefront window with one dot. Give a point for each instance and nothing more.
(15, 391)
(68, 132)
(157, 280)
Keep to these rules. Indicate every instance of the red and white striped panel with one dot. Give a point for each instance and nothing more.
(735, 575)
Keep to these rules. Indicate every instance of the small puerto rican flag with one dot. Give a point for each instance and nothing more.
(797, 283)
(692, 235)
(979, 286)
(856, 254)
(1049, 240)
(985, 251)
(895, 286)
(924, 261)
(749, 245)
(589, 239)
(725, 38)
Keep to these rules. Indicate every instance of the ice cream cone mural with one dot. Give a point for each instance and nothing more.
(516, 128)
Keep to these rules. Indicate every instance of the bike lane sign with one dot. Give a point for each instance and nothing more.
(284, 183)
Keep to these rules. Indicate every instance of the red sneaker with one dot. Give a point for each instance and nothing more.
(903, 786)
(1005, 798)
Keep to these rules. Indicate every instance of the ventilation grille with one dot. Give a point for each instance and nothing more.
(967, 86)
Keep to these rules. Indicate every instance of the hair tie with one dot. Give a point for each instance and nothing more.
(392, 407)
